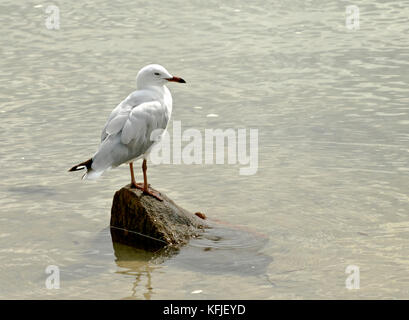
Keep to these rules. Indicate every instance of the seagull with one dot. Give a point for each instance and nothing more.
(134, 127)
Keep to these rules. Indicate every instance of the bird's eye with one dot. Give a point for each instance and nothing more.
(156, 73)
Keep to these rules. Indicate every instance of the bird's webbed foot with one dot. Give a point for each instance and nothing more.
(153, 194)
(146, 191)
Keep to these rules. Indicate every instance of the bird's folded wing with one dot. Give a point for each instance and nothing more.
(120, 114)
(117, 123)
(142, 121)
(116, 120)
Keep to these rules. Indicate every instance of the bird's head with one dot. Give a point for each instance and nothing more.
(155, 75)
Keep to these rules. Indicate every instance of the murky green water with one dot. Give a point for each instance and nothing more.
(331, 107)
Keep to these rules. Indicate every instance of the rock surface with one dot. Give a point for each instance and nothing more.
(144, 222)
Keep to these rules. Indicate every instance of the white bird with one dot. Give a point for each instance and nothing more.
(134, 127)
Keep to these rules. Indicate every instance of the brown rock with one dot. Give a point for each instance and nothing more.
(142, 221)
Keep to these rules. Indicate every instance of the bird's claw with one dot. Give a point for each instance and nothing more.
(140, 186)
(153, 194)
(137, 186)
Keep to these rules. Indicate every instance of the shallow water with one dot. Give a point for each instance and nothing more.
(331, 108)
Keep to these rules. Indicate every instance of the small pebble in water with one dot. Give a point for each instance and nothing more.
(200, 215)
(197, 291)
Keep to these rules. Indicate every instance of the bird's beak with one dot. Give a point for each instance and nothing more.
(176, 79)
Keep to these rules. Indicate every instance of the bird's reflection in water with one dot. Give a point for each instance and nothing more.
(140, 264)
(219, 250)
(135, 262)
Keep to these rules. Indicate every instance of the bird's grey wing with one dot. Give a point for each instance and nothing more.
(114, 113)
(142, 121)
(120, 114)
(134, 138)
(118, 120)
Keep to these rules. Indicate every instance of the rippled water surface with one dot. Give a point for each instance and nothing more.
(331, 106)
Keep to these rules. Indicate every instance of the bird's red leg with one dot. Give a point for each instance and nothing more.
(145, 183)
(145, 177)
(133, 182)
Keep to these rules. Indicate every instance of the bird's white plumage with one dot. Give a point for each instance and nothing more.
(134, 126)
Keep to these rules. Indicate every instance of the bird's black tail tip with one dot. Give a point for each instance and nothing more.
(86, 164)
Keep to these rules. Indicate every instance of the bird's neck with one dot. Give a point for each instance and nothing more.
(161, 93)
(159, 89)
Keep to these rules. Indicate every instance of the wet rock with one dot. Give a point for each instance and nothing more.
(144, 222)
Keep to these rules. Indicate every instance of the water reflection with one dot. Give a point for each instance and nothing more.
(136, 263)
(225, 250)
(220, 250)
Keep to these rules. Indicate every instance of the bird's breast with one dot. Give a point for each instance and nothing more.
(167, 100)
